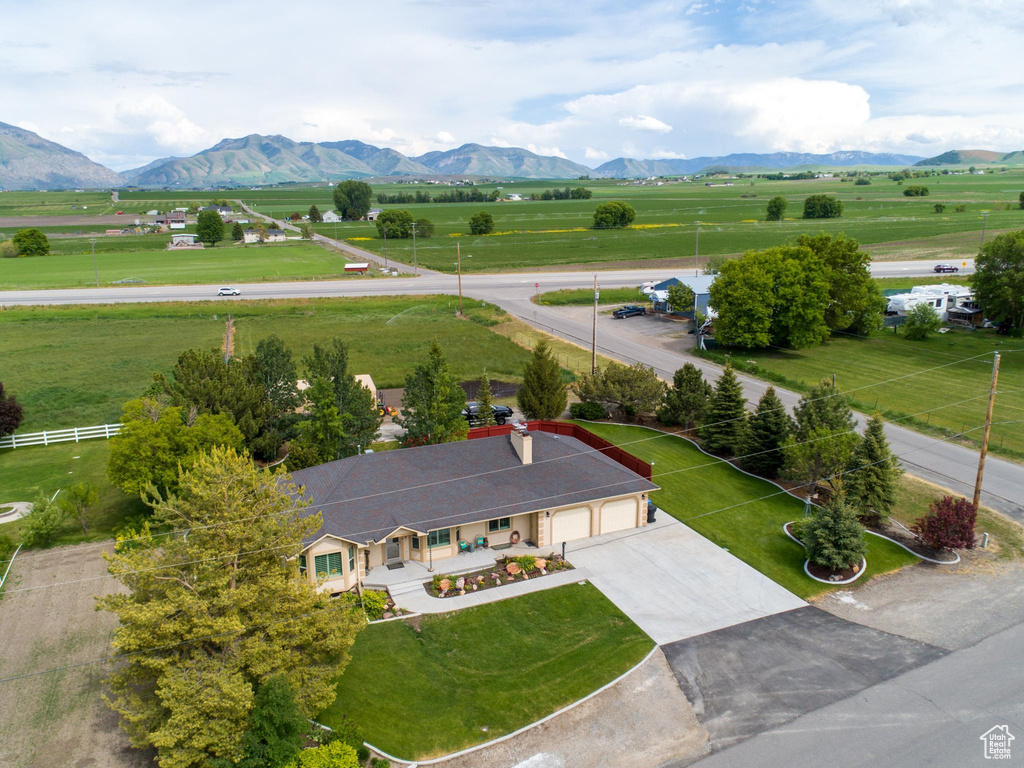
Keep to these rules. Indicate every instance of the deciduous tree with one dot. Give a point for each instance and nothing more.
(769, 429)
(681, 298)
(11, 413)
(208, 618)
(776, 208)
(31, 242)
(949, 524)
(352, 199)
(822, 207)
(424, 228)
(394, 224)
(998, 280)
(724, 428)
(481, 223)
(42, 524)
(360, 420)
(614, 214)
(543, 394)
(687, 399)
(432, 403)
(874, 474)
(855, 303)
(78, 500)
(209, 228)
(632, 391)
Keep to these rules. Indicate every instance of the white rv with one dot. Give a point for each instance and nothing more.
(940, 298)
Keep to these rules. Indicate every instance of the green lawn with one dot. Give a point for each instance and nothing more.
(729, 508)
(467, 677)
(145, 258)
(575, 297)
(864, 368)
(76, 366)
(25, 472)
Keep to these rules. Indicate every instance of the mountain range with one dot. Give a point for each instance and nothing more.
(27, 161)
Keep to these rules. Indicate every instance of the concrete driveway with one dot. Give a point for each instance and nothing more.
(673, 583)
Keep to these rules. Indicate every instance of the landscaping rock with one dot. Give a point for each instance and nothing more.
(460, 583)
(387, 615)
(445, 585)
(540, 563)
(512, 569)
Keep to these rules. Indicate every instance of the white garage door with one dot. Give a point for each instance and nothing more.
(618, 515)
(570, 524)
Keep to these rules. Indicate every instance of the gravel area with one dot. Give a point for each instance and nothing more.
(58, 718)
(642, 722)
(950, 606)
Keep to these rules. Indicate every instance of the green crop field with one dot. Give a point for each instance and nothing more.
(56, 204)
(145, 258)
(539, 234)
(947, 375)
(76, 366)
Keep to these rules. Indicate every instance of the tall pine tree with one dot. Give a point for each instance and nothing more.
(542, 395)
(874, 474)
(687, 399)
(432, 403)
(833, 537)
(724, 429)
(770, 426)
(484, 400)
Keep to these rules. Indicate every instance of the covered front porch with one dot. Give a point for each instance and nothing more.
(382, 576)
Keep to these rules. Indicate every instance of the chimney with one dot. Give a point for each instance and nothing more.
(522, 441)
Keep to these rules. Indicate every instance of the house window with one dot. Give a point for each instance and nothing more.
(302, 564)
(415, 542)
(501, 524)
(439, 538)
(351, 558)
(328, 565)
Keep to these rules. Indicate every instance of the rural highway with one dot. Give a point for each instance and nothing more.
(924, 456)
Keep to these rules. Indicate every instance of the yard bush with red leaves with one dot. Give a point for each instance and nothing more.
(948, 525)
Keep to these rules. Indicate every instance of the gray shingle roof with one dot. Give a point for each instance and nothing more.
(364, 498)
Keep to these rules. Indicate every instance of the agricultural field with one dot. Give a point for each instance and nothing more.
(44, 203)
(145, 259)
(76, 366)
(557, 233)
(948, 396)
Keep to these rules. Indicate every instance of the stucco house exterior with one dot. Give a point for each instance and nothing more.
(417, 504)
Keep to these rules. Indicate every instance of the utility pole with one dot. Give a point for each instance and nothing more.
(984, 220)
(415, 268)
(95, 269)
(696, 253)
(593, 340)
(988, 429)
(458, 263)
(385, 230)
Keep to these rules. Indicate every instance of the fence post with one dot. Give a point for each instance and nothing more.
(45, 438)
(106, 429)
(76, 434)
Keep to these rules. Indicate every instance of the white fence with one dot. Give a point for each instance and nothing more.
(75, 434)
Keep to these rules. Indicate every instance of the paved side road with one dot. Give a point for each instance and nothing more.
(932, 716)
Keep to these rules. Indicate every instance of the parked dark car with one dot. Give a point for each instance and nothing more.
(628, 311)
(471, 413)
(946, 268)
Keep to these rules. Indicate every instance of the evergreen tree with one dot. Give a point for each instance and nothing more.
(833, 537)
(485, 400)
(432, 403)
(770, 426)
(216, 625)
(823, 438)
(237, 232)
(276, 727)
(360, 418)
(542, 395)
(687, 398)
(873, 479)
(724, 428)
(315, 217)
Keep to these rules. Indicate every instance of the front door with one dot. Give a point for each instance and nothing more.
(393, 552)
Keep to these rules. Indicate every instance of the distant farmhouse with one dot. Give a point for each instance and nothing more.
(273, 236)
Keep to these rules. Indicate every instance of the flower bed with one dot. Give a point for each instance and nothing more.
(507, 570)
(379, 605)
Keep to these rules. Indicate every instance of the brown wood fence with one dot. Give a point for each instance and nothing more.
(582, 434)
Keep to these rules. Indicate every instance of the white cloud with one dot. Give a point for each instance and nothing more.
(168, 125)
(594, 154)
(645, 123)
(549, 151)
(444, 137)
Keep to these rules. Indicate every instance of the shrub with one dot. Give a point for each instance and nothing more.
(362, 753)
(862, 181)
(921, 321)
(481, 223)
(335, 755)
(381, 762)
(833, 537)
(8, 250)
(587, 411)
(949, 524)
(796, 528)
(7, 547)
(526, 562)
(915, 190)
(374, 603)
(43, 522)
(960, 208)
(939, 207)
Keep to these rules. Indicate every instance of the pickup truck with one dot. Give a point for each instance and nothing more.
(628, 311)
(471, 413)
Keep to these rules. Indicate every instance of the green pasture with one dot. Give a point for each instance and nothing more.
(145, 258)
(941, 382)
(77, 365)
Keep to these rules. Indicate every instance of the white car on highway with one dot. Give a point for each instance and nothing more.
(229, 292)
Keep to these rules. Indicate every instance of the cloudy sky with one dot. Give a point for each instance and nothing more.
(128, 83)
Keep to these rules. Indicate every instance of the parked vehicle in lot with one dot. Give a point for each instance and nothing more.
(228, 292)
(471, 413)
(946, 268)
(628, 311)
